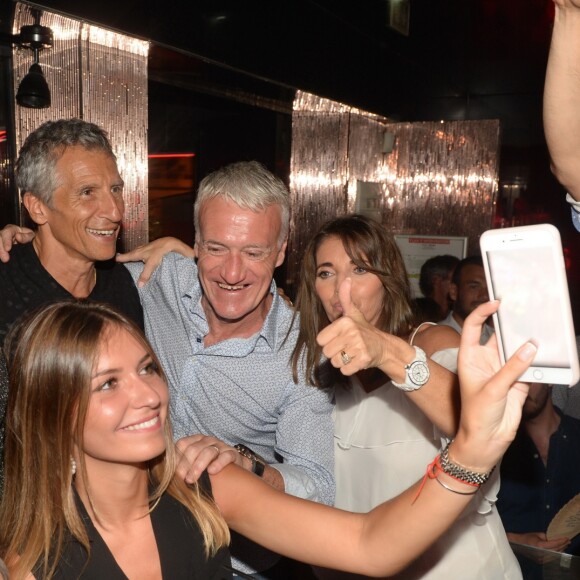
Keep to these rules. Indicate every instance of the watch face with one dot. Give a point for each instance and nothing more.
(419, 372)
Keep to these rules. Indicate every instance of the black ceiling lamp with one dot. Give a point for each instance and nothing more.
(33, 91)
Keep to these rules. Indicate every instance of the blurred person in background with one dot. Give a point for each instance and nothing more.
(434, 281)
(468, 289)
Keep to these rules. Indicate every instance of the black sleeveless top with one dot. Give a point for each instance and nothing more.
(179, 542)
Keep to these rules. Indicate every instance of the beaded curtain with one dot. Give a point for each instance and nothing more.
(433, 178)
(99, 76)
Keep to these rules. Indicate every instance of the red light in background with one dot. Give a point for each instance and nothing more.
(567, 258)
(169, 155)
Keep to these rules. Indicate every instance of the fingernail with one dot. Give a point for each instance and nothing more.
(528, 351)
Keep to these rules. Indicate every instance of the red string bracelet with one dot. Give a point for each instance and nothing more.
(432, 472)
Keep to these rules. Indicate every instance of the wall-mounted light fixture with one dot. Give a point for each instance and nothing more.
(33, 91)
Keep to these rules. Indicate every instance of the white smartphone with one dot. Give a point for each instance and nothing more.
(524, 269)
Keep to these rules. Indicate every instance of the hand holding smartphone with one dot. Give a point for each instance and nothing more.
(524, 269)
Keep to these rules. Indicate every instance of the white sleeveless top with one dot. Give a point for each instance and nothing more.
(383, 444)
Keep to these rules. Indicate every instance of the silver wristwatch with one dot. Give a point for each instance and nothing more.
(416, 372)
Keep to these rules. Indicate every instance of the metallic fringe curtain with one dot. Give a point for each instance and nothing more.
(99, 76)
(436, 178)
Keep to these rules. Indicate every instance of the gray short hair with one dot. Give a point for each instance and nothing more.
(251, 186)
(36, 164)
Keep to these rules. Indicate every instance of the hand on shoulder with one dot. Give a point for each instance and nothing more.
(200, 452)
(151, 255)
(12, 234)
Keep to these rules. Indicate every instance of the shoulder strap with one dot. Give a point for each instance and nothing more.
(414, 333)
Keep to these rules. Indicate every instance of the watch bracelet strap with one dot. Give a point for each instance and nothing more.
(461, 473)
(258, 466)
(404, 386)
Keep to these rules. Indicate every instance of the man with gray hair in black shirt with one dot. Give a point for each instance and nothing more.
(70, 186)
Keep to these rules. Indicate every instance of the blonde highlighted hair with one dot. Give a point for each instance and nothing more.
(51, 357)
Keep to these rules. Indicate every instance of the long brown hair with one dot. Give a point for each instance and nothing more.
(370, 247)
(52, 355)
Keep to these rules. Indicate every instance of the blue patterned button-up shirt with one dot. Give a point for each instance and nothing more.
(241, 389)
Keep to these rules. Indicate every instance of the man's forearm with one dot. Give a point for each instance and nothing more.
(562, 99)
(271, 475)
(274, 478)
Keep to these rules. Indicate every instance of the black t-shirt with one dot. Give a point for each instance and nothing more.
(25, 285)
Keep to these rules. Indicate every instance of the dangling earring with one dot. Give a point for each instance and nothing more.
(73, 465)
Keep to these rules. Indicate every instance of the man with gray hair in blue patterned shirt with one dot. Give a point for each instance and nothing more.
(225, 336)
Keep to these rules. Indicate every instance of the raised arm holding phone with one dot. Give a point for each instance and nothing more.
(111, 459)
(562, 101)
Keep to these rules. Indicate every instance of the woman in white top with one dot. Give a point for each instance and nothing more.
(355, 313)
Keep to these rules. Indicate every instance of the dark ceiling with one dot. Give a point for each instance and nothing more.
(463, 59)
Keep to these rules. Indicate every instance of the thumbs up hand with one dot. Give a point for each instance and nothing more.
(350, 342)
(345, 298)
